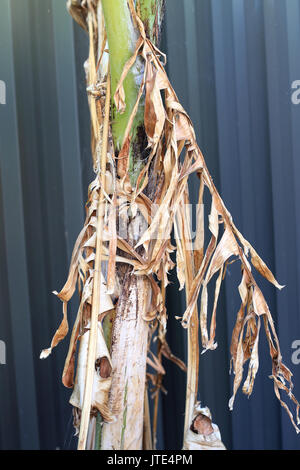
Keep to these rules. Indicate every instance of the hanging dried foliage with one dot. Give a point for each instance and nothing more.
(113, 201)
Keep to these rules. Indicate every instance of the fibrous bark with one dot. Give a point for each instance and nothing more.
(129, 353)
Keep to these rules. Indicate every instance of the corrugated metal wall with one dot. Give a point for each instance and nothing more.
(232, 63)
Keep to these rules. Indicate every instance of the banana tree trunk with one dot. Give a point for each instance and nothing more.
(128, 352)
(129, 339)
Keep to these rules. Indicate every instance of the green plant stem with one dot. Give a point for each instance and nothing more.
(99, 422)
(122, 38)
(151, 13)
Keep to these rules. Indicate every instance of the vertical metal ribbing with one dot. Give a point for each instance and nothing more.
(15, 244)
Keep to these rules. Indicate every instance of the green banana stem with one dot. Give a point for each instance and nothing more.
(151, 13)
(122, 38)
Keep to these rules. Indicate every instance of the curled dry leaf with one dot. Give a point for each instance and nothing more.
(203, 433)
(78, 12)
(102, 380)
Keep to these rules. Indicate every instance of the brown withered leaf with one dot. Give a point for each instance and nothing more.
(154, 109)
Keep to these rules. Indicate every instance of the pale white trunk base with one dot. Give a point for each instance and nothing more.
(128, 354)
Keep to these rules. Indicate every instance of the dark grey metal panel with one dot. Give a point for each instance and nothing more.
(16, 256)
(68, 120)
(282, 63)
(52, 204)
(232, 64)
(242, 162)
